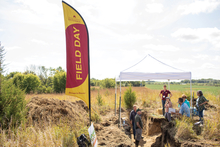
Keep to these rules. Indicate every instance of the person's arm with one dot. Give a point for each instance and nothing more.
(138, 125)
(170, 105)
(160, 95)
(130, 117)
(171, 95)
(203, 103)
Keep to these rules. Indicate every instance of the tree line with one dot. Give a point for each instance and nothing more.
(39, 79)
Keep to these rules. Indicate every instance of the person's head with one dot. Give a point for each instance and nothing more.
(180, 101)
(134, 107)
(184, 97)
(164, 87)
(167, 99)
(199, 93)
(139, 111)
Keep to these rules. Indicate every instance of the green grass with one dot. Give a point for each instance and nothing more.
(205, 89)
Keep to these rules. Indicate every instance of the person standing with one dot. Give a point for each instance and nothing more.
(200, 104)
(132, 118)
(139, 127)
(167, 106)
(163, 94)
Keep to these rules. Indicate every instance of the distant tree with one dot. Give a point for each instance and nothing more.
(11, 75)
(12, 100)
(18, 80)
(2, 55)
(59, 82)
(30, 82)
(108, 83)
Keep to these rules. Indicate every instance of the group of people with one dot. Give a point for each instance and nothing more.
(184, 105)
(135, 120)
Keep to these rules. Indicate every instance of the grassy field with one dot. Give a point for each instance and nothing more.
(29, 135)
(185, 88)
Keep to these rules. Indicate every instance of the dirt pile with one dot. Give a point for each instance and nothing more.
(54, 110)
(109, 134)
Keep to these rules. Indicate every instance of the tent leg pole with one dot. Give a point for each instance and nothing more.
(169, 84)
(120, 107)
(191, 93)
(115, 95)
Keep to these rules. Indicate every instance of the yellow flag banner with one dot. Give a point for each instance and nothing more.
(77, 54)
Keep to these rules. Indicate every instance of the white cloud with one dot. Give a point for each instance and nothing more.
(12, 48)
(154, 8)
(1, 30)
(211, 35)
(208, 66)
(216, 58)
(184, 60)
(39, 41)
(161, 47)
(132, 37)
(205, 6)
(201, 57)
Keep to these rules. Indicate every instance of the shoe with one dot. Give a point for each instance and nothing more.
(142, 137)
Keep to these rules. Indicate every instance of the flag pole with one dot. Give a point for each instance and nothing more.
(89, 77)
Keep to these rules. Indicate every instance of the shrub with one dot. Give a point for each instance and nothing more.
(59, 82)
(49, 89)
(18, 80)
(30, 82)
(129, 98)
(95, 117)
(99, 99)
(12, 105)
(108, 83)
(93, 89)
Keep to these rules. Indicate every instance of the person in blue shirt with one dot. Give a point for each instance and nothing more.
(185, 100)
(184, 109)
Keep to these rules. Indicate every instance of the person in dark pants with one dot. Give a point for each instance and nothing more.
(200, 104)
(132, 118)
(139, 127)
(163, 94)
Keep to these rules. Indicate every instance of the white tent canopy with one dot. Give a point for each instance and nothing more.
(150, 68)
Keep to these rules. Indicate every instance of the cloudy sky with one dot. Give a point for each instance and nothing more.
(184, 34)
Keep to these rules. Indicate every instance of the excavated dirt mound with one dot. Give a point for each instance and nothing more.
(54, 111)
(110, 135)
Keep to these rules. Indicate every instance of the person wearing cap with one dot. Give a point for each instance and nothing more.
(132, 118)
(138, 126)
(185, 100)
(184, 109)
(163, 94)
(200, 104)
(167, 106)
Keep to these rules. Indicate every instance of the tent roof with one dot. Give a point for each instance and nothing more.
(150, 68)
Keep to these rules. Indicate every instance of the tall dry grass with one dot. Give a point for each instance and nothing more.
(27, 135)
(64, 135)
(184, 128)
